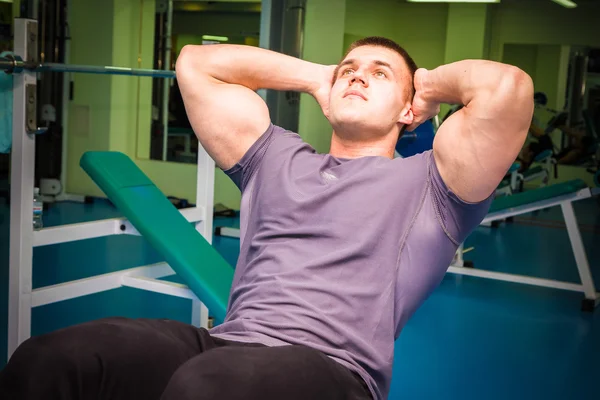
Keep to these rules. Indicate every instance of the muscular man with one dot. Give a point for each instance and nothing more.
(338, 250)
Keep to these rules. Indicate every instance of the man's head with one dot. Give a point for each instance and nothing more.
(372, 89)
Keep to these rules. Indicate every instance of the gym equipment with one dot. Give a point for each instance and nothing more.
(5, 111)
(21, 297)
(510, 183)
(546, 162)
(563, 194)
(154, 216)
(14, 64)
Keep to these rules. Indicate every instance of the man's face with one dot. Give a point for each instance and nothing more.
(369, 93)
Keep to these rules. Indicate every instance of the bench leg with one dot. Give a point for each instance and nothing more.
(580, 257)
(199, 314)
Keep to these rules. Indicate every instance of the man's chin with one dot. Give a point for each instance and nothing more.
(350, 117)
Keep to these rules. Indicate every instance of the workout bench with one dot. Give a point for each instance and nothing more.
(563, 194)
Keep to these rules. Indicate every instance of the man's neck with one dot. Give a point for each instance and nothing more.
(345, 148)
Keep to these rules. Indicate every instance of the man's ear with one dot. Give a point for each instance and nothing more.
(406, 115)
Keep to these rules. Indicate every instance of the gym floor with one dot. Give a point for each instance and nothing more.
(473, 338)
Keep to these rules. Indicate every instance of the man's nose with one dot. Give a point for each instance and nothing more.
(359, 77)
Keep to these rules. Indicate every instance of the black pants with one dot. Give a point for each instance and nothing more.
(120, 358)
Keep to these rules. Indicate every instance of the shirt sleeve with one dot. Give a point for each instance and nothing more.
(457, 217)
(243, 170)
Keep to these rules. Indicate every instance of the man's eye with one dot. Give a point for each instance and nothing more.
(380, 74)
(348, 71)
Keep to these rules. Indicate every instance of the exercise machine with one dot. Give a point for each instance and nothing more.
(24, 67)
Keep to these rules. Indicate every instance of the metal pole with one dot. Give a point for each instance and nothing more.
(106, 70)
(579, 252)
(66, 42)
(21, 195)
(10, 66)
(166, 83)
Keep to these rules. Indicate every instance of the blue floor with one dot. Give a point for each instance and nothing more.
(472, 339)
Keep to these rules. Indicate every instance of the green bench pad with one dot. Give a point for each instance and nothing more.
(532, 196)
(188, 253)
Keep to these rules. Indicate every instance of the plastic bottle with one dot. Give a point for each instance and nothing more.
(38, 209)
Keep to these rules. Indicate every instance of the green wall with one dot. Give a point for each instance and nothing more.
(89, 111)
(523, 56)
(551, 73)
(114, 112)
(323, 41)
(466, 32)
(419, 28)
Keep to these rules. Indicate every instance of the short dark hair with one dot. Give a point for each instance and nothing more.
(388, 44)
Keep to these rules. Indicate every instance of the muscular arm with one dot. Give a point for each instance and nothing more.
(475, 147)
(218, 84)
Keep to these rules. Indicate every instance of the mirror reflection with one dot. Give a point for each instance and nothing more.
(177, 24)
(564, 128)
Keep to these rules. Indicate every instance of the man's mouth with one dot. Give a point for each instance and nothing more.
(355, 93)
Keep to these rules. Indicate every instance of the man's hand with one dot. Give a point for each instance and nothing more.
(322, 91)
(423, 107)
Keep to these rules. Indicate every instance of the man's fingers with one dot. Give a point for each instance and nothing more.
(415, 124)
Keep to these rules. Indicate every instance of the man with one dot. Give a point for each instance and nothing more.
(337, 250)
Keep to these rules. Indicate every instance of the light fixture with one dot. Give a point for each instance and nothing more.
(453, 1)
(566, 3)
(217, 38)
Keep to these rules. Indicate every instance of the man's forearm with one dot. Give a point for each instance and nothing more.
(463, 82)
(253, 67)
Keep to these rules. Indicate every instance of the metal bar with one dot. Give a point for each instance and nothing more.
(166, 83)
(13, 66)
(579, 251)
(95, 229)
(105, 70)
(199, 314)
(21, 197)
(74, 232)
(538, 205)
(501, 276)
(66, 105)
(95, 284)
(164, 287)
(228, 232)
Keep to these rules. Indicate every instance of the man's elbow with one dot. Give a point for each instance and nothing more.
(523, 86)
(192, 59)
(517, 85)
(514, 95)
(186, 59)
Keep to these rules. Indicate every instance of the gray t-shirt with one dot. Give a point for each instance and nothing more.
(337, 254)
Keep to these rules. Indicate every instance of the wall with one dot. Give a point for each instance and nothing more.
(323, 41)
(131, 97)
(466, 32)
(550, 78)
(89, 111)
(523, 56)
(543, 23)
(419, 28)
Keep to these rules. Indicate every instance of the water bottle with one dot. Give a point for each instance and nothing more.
(38, 209)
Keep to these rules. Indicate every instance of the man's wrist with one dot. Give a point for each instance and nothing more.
(426, 85)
